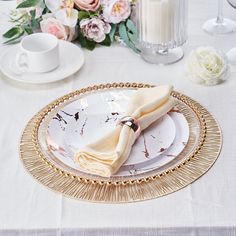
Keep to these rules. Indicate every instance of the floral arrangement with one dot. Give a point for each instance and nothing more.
(207, 66)
(91, 22)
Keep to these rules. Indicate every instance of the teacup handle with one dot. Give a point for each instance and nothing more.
(22, 61)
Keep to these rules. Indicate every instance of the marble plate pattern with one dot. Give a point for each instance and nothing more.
(90, 117)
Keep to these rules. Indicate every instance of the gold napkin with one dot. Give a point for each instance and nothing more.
(105, 156)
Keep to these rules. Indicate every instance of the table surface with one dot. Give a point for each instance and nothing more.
(208, 205)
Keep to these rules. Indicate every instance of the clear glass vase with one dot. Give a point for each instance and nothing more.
(162, 29)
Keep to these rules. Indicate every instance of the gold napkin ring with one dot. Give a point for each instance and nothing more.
(132, 123)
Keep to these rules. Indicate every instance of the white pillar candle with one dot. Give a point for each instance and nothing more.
(156, 21)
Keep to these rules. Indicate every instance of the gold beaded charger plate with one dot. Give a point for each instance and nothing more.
(172, 153)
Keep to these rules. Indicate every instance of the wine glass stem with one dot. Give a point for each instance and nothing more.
(219, 19)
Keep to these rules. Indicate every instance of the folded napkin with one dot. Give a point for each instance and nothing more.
(105, 156)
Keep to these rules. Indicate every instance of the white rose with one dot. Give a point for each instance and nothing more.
(207, 66)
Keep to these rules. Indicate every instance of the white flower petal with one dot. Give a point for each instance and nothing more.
(48, 15)
(71, 20)
(207, 65)
(53, 5)
(39, 9)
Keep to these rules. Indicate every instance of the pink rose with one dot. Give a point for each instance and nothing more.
(95, 29)
(115, 11)
(51, 25)
(87, 5)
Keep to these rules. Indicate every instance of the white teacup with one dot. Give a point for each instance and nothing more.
(38, 53)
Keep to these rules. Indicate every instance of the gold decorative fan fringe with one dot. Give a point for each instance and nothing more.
(153, 186)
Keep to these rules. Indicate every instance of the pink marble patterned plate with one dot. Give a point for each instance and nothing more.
(90, 117)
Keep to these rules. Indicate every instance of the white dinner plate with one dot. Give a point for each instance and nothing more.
(71, 60)
(90, 117)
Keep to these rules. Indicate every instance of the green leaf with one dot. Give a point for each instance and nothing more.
(92, 14)
(28, 30)
(112, 32)
(130, 25)
(83, 15)
(33, 13)
(90, 45)
(12, 32)
(125, 37)
(123, 32)
(13, 40)
(106, 41)
(133, 47)
(132, 37)
(13, 20)
(86, 43)
(35, 23)
(28, 3)
(45, 10)
(16, 37)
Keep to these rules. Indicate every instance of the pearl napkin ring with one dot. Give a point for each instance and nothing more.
(132, 123)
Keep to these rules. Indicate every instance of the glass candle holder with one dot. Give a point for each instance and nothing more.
(162, 29)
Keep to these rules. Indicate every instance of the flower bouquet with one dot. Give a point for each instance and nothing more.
(91, 22)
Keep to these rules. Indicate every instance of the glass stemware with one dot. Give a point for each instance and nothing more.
(232, 52)
(220, 25)
(232, 3)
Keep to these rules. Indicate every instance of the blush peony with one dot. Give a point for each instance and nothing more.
(51, 25)
(87, 5)
(95, 29)
(115, 11)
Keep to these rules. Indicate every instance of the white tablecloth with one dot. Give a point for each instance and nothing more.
(206, 207)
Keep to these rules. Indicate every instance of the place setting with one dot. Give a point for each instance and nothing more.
(115, 142)
(139, 138)
(117, 117)
(41, 58)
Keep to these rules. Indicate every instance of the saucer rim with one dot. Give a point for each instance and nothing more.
(21, 78)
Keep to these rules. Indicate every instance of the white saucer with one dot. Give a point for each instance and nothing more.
(71, 60)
